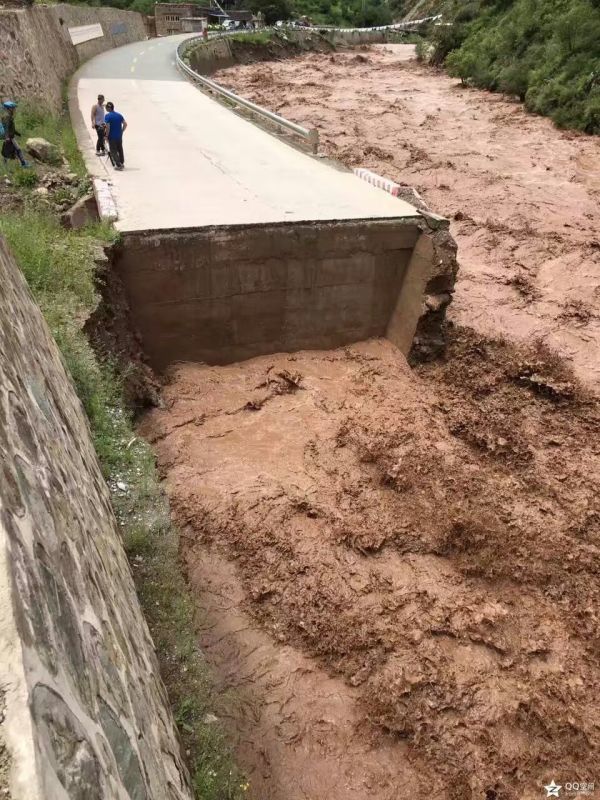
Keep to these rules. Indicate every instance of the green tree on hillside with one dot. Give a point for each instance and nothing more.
(547, 52)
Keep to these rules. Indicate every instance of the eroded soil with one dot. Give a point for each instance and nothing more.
(400, 570)
(524, 197)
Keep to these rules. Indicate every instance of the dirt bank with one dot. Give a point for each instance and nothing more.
(276, 46)
(524, 196)
(400, 570)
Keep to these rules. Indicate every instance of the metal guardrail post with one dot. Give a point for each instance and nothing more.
(312, 136)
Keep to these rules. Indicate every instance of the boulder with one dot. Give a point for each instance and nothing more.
(82, 213)
(42, 150)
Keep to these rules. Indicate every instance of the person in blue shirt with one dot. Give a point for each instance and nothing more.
(115, 127)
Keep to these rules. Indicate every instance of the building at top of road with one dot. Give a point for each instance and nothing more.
(174, 18)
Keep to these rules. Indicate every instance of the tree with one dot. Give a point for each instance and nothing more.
(273, 10)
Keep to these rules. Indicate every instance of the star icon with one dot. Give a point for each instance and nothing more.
(552, 789)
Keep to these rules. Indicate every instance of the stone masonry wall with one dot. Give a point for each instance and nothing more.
(37, 54)
(85, 714)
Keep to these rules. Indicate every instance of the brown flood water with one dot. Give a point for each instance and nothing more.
(399, 571)
(524, 197)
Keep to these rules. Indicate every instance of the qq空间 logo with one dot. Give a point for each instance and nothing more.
(569, 788)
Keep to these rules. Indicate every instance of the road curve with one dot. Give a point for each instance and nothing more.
(190, 162)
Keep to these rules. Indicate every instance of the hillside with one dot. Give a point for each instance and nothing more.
(546, 52)
(325, 12)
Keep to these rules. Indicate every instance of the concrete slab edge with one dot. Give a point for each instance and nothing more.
(407, 193)
(107, 207)
(377, 180)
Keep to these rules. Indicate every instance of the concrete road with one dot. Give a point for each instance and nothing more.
(191, 162)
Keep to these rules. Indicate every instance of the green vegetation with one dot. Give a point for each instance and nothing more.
(360, 13)
(60, 268)
(546, 52)
(34, 121)
(259, 37)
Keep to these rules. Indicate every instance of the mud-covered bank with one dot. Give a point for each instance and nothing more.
(207, 56)
(524, 197)
(400, 569)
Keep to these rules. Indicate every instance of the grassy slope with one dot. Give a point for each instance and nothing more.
(59, 266)
(547, 52)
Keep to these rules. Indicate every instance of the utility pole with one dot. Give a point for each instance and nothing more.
(216, 3)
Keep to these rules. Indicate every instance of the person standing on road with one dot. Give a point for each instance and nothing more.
(10, 149)
(115, 127)
(98, 124)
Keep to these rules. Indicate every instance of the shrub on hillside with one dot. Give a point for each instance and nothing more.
(547, 52)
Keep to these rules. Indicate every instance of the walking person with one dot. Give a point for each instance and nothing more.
(115, 127)
(10, 149)
(98, 124)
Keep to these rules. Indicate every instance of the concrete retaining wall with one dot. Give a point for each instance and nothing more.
(207, 57)
(84, 715)
(37, 52)
(227, 294)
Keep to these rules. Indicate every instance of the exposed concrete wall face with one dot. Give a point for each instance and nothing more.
(207, 57)
(223, 295)
(86, 716)
(38, 54)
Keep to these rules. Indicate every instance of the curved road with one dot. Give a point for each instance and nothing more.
(190, 162)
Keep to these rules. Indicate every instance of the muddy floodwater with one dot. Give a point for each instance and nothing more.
(399, 576)
(398, 570)
(523, 197)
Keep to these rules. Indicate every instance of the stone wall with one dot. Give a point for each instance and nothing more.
(38, 55)
(85, 714)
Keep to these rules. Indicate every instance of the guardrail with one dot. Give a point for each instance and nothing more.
(312, 135)
(396, 26)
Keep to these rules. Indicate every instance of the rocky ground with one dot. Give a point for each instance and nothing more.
(524, 197)
(43, 187)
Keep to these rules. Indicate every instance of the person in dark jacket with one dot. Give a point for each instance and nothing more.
(10, 149)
